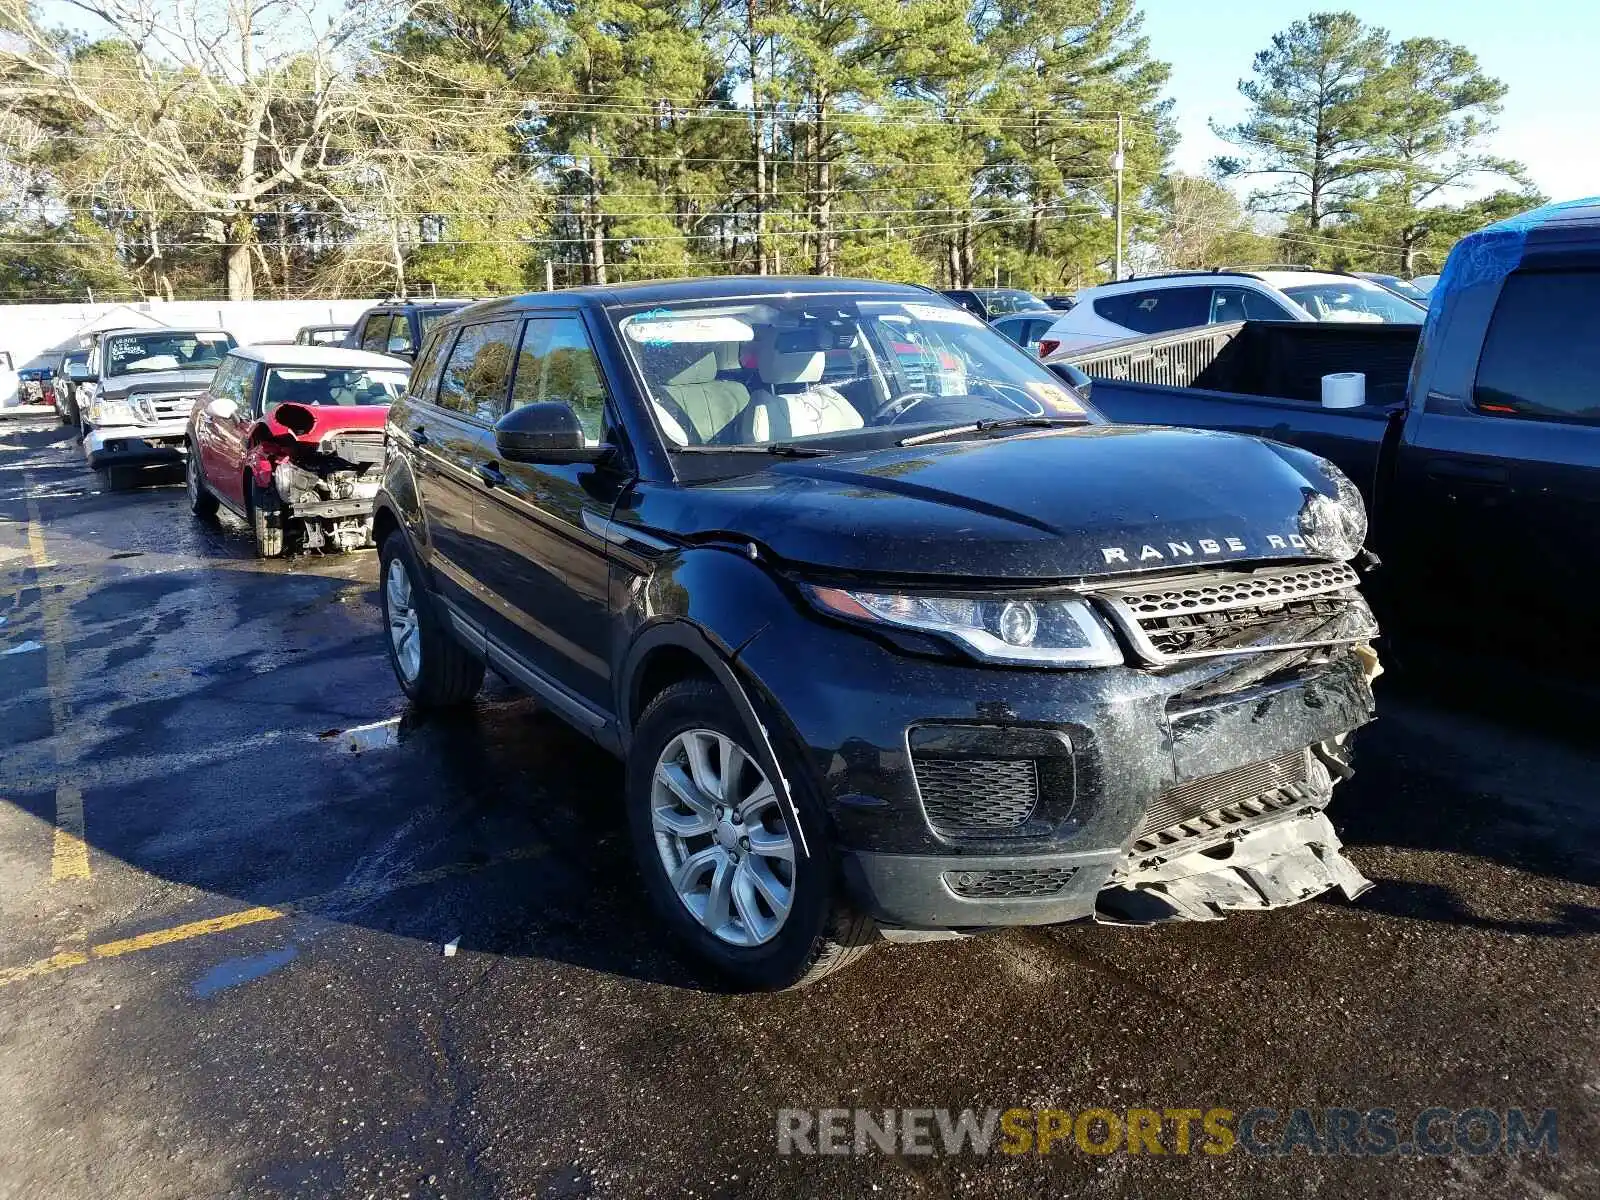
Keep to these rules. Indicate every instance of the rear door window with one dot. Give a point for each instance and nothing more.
(1541, 357)
(1245, 304)
(375, 333)
(1157, 310)
(478, 371)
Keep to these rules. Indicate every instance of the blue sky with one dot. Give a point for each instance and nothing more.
(1548, 55)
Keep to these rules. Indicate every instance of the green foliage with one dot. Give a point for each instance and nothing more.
(1364, 143)
(949, 142)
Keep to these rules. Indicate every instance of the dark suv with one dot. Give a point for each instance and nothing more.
(895, 636)
(398, 327)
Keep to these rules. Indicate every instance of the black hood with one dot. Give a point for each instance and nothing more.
(1064, 504)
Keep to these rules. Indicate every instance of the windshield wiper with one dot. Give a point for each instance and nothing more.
(777, 449)
(986, 426)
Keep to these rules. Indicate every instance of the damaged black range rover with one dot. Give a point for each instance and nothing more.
(894, 634)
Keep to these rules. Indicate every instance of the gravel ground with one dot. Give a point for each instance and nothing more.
(248, 992)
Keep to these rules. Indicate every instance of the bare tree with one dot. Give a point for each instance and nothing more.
(227, 108)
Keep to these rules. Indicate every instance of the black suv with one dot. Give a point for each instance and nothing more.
(896, 637)
(398, 327)
(989, 303)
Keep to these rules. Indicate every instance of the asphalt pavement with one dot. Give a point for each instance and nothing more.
(263, 932)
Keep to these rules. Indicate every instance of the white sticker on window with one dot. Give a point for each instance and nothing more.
(938, 312)
(658, 331)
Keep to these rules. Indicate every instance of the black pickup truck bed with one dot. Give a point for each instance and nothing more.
(1261, 377)
(1479, 447)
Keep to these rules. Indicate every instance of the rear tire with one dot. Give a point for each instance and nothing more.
(201, 502)
(434, 670)
(819, 933)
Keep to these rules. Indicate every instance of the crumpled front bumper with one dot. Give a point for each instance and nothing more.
(1269, 866)
(115, 445)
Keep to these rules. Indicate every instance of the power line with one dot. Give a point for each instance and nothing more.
(533, 241)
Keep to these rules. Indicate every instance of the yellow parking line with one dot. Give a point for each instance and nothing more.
(69, 858)
(181, 933)
(360, 893)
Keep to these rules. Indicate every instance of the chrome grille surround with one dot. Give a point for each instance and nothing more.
(1214, 613)
(154, 408)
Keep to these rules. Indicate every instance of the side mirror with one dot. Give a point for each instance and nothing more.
(545, 432)
(78, 372)
(1076, 379)
(223, 409)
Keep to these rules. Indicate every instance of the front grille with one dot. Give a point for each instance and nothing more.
(977, 795)
(1203, 807)
(1216, 613)
(155, 407)
(1010, 883)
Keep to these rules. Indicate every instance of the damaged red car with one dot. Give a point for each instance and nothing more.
(291, 439)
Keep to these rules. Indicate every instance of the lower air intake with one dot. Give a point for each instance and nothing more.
(1010, 883)
(977, 795)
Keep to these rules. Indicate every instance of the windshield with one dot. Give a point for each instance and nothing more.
(322, 385)
(1009, 300)
(824, 369)
(130, 353)
(1355, 300)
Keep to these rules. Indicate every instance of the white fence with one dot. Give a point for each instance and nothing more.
(37, 335)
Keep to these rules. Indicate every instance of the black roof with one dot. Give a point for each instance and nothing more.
(708, 287)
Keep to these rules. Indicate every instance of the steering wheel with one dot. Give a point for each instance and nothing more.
(899, 407)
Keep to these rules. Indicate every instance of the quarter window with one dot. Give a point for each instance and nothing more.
(556, 362)
(1541, 357)
(478, 370)
(425, 375)
(1157, 310)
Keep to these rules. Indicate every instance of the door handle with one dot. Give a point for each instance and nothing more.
(1467, 469)
(491, 474)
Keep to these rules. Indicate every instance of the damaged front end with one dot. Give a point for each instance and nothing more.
(322, 468)
(1253, 838)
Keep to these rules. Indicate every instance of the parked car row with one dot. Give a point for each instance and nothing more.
(897, 637)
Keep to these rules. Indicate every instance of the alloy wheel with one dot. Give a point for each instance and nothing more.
(722, 837)
(404, 634)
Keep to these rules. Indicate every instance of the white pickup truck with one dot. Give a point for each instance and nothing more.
(138, 389)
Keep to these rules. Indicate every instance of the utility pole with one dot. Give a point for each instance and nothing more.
(1116, 167)
(549, 275)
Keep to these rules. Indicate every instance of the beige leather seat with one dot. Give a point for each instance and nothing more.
(792, 401)
(711, 404)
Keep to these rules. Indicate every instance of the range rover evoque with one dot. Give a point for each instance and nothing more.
(895, 635)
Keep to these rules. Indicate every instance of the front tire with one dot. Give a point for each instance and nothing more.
(721, 858)
(434, 670)
(266, 524)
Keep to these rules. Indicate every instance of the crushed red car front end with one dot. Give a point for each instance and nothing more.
(322, 465)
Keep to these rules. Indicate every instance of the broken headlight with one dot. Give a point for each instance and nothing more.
(1035, 633)
(1334, 526)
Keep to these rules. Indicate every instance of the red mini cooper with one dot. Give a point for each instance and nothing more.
(291, 439)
